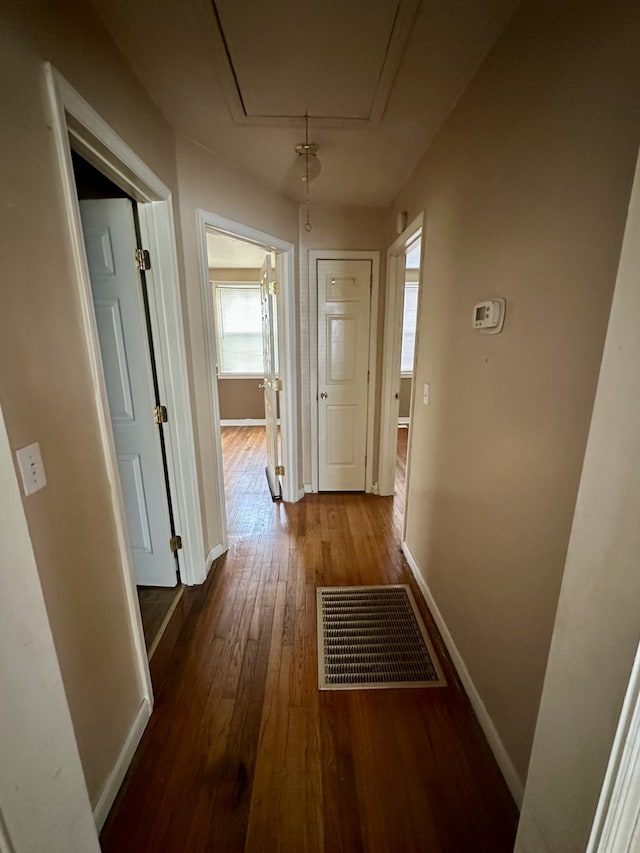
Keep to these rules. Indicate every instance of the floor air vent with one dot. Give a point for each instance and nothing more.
(373, 637)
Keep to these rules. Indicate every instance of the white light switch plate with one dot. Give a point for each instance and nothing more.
(31, 468)
(425, 397)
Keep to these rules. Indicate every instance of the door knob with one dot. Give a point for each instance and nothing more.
(324, 395)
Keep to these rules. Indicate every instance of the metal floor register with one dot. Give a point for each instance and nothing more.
(373, 637)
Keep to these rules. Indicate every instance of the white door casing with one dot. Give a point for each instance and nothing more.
(109, 234)
(268, 304)
(396, 262)
(344, 316)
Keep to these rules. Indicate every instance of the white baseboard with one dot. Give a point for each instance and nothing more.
(308, 489)
(212, 556)
(301, 493)
(245, 422)
(112, 785)
(501, 755)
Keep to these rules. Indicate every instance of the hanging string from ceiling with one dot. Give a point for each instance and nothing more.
(308, 166)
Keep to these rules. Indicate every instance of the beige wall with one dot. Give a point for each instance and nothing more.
(406, 383)
(43, 797)
(598, 622)
(235, 274)
(45, 384)
(525, 193)
(241, 399)
(349, 229)
(208, 184)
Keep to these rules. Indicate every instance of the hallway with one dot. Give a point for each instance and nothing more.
(244, 753)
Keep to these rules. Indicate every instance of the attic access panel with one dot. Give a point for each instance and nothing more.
(333, 59)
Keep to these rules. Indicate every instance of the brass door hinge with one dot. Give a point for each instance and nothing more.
(175, 544)
(160, 415)
(279, 470)
(277, 384)
(143, 259)
(274, 288)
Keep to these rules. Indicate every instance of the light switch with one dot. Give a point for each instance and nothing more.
(31, 468)
(427, 389)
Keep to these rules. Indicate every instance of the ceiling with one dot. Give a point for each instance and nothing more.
(226, 252)
(377, 78)
(341, 74)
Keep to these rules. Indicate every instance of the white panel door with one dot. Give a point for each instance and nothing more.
(344, 302)
(110, 242)
(268, 301)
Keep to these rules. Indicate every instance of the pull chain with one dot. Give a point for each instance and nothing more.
(307, 226)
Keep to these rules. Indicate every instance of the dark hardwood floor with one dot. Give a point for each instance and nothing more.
(244, 753)
(400, 481)
(156, 605)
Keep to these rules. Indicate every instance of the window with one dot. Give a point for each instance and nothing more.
(409, 321)
(238, 318)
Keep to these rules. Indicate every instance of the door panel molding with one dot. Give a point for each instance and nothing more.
(135, 498)
(316, 255)
(109, 321)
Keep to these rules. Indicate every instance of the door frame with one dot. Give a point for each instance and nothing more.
(73, 118)
(316, 255)
(287, 345)
(394, 300)
(618, 811)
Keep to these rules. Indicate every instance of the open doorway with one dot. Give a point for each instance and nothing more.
(398, 394)
(244, 292)
(249, 306)
(410, 295)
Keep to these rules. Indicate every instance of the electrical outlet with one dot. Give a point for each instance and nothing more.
(31, 468)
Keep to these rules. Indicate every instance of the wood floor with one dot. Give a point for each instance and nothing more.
(244, 753)
(156, 605)
(400, 481)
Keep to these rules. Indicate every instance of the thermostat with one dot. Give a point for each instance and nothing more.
(488, 316)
